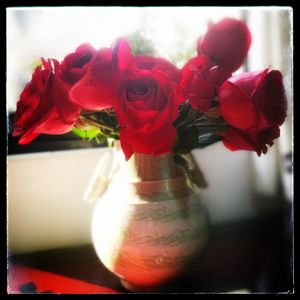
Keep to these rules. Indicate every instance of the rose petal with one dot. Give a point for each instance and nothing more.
(85, 47)
(238, 140)
(28, 137)
(121, 55)
(249, 82)
(92, 93)
(52, 124)
(236, 108)
(67, 110)
(203, 104)
(217, 75)
(133, 141)
(227, 42)
(75, 64)
(146, 62)
(271, 98)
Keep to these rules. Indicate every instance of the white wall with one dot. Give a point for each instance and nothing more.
(229, 177)
(45, 199)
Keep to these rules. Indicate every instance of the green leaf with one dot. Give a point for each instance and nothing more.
(109, 120)
(100, 139)
(87, 134)
(189, 138)
(208, 139)
(184, 110)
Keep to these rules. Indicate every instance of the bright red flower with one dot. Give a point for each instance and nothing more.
(146, 105)
(255, 105)
(200, 82)
(141, 90)
(146, 108)
(227, 43)
(36, 110)
(72, 69)
(95, 90)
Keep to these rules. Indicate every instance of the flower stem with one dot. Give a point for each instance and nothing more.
(97, 123)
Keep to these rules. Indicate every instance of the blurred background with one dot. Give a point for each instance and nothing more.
(45, 185)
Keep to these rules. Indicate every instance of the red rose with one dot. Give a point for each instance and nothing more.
(146, 109)
(141, 90)
(72, 69)
(146, 104)
(227, 43)
(36, 110)
(200, 81)
(255, 105)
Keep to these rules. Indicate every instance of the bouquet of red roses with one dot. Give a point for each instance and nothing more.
(152, 106)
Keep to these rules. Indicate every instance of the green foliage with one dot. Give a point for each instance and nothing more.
(34, 64)
(98, 125)
(189, 138)
(140, 45)
(89, 134)
(109, 119)
(183, 55)
(85, 134)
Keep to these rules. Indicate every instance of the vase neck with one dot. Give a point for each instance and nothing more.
(143, 167)
(148, 167)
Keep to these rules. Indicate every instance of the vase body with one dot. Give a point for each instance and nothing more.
(150, 224)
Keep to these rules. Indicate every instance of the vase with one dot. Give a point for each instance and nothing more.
(150, 224)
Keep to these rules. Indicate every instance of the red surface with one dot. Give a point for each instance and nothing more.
(44, 281)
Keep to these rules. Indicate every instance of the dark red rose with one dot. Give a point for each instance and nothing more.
(72, 69)
(200, 82)
(227, 43)
(254, 105)
(74, 65)
(235, 139)
(271, 97)
(36, 110)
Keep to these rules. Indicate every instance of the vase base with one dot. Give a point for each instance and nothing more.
(145, 289)
(132, 287)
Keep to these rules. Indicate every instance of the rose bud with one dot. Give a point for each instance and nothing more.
(227, 43)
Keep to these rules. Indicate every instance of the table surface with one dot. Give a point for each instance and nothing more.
(253, 255)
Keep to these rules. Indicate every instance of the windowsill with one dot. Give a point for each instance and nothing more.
(47, 143)
(56, 153)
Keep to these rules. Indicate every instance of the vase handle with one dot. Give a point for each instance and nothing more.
(101, 177)
(196, 172)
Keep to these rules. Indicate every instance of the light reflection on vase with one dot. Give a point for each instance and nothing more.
(150, 224)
